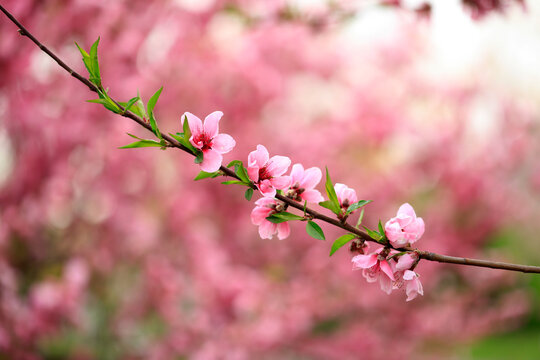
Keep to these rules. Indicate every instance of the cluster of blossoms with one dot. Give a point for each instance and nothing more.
(391, 268)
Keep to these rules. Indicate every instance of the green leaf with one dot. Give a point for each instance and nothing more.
(282, 217)
(381, 229)
(248, 194)
(235, 162)
(150, 108)
(83, 52)
(184, 142)
(206, 175)
(95, 75)
(332, 196)
(130, 103)
(241, 172)
(199, 157)
(357, 205)
(314, 230)
(107, 103)
(186, 129)
(340, 241)
(236, 182)
(360, 219)
(329, 205)
(142, 143)
(373, 234)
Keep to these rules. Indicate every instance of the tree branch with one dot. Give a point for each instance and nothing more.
(316, 215)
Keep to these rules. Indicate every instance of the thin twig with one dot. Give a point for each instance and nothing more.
(316, 215)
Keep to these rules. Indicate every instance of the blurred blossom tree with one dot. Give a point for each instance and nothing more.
(113, 254)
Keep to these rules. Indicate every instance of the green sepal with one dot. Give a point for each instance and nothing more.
(283, 217)
(248, 194)
(340, 241)
(357, 205)
(206, 175)
(199, 157)
(314, 230)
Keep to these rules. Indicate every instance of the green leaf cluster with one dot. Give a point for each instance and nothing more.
(379, 236)
(143, 143)
(332, 203)
(91, 62)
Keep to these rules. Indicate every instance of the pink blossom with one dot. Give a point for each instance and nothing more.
(267, 173)
(376, 267)
(346, 196)
(265, 207)
(413, 286)
(405, 227)
(303, 184)
(206, 138)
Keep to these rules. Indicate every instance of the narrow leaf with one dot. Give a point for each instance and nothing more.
(150, 108)
(95, 75)
(233, 182)
(186, 129)
(360, 219)
(248, 194)
(314, 230)
(206, 175)
(184, 142)
(142, 143)
(340, 241)
(357, 205)
(330, 206)
(130, 103)
(234, 163)
(282, 217)
(331, 192)
(373, 234)
(381, 229)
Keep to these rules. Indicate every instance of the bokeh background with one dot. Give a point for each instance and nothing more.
(118, 254)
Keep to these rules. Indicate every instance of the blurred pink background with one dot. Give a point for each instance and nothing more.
(118, 254)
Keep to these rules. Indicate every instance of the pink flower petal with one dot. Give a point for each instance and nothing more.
(407, 210)
(283, 230)
(195, 124)
(253, 173)
(211, 123)
(312, 177)
(297, 173)
(259, 214)
(364, 261)
(223, 143)
(265, 202)
(385, 268)
(266, 188)
(281, 182)
(405, 262)
(258, 157)
(278, 165)
(267, 229)
(386, 284)
(211, 160)
(409, 275)
(312, 196)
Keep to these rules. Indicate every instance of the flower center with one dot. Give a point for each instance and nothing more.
(263, 174)
(204, 140)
